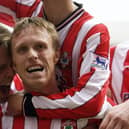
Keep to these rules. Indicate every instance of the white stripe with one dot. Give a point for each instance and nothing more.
(91, 45)
(7, 122)
(37, 10)
(82, 123)
(13, 87)
(76, 50)
(117, 68)
(64, 31)
(10, 29)
(94, 85)
(7, 11)
(31, 123)
(26, 2)
(98, 79)
(4, 107)
(55, 124)
(79, 98)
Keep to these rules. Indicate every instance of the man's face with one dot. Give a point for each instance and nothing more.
(34, 58)
(6, 73)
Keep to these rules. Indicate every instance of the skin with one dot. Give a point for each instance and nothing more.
(34, 60)
(57, 10)
(35, 52)
(117, 117)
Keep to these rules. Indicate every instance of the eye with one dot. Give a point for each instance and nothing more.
(40, 47)
(22, 49)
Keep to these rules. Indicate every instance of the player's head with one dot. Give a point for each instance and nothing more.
(35, 51)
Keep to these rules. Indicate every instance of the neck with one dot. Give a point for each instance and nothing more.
(51, 89)
(57, 10)
(48, 88)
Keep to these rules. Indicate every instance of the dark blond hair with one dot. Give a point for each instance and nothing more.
(37, 23)
(5, 35)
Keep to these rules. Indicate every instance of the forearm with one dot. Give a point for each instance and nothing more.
(95, 108)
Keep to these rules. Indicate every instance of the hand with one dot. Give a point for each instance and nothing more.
(15, 104)
(117, 117)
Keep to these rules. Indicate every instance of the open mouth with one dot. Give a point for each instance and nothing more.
(35, 69)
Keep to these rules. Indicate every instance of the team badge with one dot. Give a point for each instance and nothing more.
(64, 60)
(100, 62)
(125, 96)
(69, 124)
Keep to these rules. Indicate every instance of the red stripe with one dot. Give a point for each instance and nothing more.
(18, 122)
(21, 10)
(112, 51)
(81, 84)
(103, 48)
(11, 4)
(95, 105)
(6, 19)
(44, 124)
(68, 45)
(18, 83)
(73, 32)
(28, 10)
(125, 83)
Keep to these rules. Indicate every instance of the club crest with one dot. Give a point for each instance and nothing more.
(125, 96)
(69, 124)
(64, 60)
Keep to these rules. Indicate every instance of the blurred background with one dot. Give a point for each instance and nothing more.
(114, 13)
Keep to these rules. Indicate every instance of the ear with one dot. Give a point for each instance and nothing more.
(57, 56)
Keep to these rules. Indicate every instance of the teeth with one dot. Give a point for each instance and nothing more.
(35, 69)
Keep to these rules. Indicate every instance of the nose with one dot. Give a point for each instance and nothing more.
(32, 54)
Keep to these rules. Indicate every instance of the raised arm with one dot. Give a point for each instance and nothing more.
(87, 98)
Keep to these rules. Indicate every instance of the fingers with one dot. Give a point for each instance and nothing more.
(104, 123)
(110, 123)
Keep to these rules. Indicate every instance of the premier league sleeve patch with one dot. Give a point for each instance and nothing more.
(100, 62)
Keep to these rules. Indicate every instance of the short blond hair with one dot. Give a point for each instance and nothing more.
(41, 24)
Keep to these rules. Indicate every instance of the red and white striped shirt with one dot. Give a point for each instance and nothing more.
(83, 64)
(21, 8)
(120, 72)
(21, 122)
